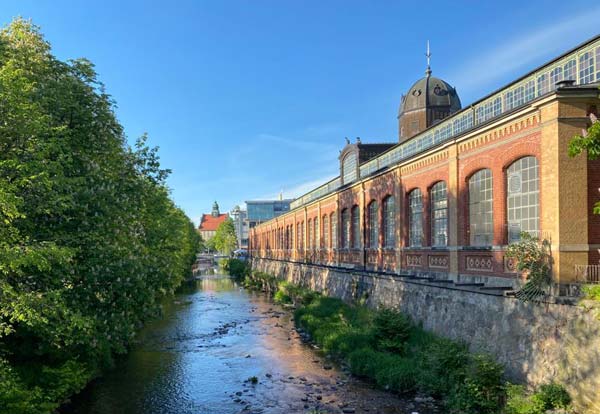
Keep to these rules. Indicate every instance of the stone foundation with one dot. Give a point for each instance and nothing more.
(537, 343)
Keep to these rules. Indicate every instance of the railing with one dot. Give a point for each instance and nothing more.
(581, 65)
(587, 273)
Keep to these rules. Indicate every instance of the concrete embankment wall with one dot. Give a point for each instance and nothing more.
(537, 343)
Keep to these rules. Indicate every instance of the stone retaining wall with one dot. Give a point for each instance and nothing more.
(537, 343)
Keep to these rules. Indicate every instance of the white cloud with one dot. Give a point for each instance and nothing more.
(523, 49)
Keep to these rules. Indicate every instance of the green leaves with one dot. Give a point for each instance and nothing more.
(225, 240)
(589, 141)
(90, 241)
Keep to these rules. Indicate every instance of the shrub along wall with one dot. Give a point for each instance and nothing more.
(90, 241)
(386, 347)
(536, 343)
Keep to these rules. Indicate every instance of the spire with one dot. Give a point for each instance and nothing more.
(428, 54)
(215, 210)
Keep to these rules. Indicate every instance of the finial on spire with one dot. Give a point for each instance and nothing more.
(428, 55)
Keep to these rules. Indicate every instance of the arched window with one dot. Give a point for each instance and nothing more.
(523, 198)
(389, 222)
(310, 234)
(299, 233)
(349, 168)
(281, 238)
(373, 225)
(345, 228)
(355, 227)
(415, 218)
(334, 234)
(439, 214)
(325, 232)
(481, 219)
(316, 233)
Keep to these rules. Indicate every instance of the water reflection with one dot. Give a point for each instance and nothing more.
(199, 356)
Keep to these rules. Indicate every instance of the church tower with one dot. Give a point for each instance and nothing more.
(215, 210)
(427, 102)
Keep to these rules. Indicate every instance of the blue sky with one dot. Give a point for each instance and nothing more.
(248, 98)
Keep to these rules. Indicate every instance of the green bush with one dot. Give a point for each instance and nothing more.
(443, 364)
(481, 391)
(391, 330)
(547, 397)
(399, 375)
(554, 396)
(591, 292)
(519, 402)
(235, 267)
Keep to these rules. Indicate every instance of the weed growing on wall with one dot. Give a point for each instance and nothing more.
(533, 260)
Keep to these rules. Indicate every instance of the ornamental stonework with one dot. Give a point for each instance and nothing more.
(480, 263)
(440, 261)
(510, 264)
(414, 260)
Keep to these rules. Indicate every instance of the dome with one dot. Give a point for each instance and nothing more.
(427, 102)
(430, 92)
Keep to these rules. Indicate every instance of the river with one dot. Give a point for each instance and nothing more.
(201, 355)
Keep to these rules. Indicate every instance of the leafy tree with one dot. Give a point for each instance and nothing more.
(588, 141)
(201, 244)
(210, 245)
(225, 240)
(90, 241)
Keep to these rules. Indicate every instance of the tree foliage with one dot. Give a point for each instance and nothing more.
(588, 141)
(225, 240)
(90, 241)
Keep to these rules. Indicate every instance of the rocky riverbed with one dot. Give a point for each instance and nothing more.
(222, 349)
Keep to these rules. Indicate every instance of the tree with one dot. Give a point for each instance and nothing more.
(225, 240)
(90, 241)
(588, 141)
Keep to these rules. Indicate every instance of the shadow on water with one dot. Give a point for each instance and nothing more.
(212, 338)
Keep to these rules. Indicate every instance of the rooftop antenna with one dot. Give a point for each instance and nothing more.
(428, 54)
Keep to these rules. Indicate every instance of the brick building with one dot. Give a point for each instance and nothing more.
(209, 223)
(460, 184)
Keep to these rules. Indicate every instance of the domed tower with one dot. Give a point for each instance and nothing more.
(215, 210)
(427, 102)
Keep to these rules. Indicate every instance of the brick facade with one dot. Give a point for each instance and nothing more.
(495, 147)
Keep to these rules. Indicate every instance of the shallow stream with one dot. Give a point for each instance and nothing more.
(200, 357)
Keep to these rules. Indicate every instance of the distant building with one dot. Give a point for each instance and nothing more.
(260, 211)
(210, 222)
(240, 222)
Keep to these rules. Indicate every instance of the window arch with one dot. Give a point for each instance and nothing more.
(439, 214)
(299, 233)
(326, 232)
(345, 228)
(415, 218)
(349, 168)
(389, 222)
(373, 217)
(523, 198)
(334, 234)
(316, 233)
(481, 218)
(355, 227)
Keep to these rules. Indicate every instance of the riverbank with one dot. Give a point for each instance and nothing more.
(220, 348)
(386, 348)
